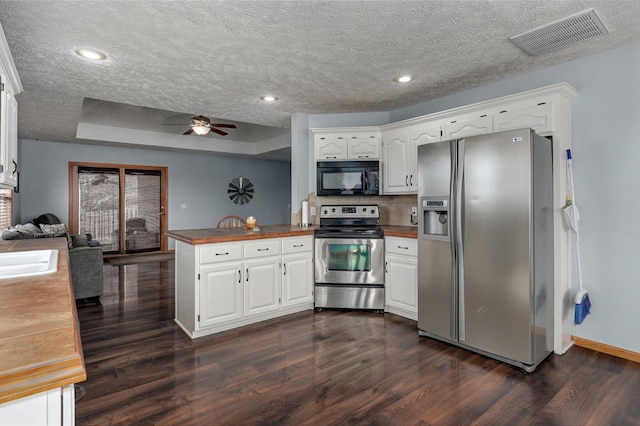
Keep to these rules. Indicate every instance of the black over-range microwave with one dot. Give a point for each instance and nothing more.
(348, 177)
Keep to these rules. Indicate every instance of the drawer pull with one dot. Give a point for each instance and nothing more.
(264, 249)
(298, 245)
(222, 254)
(403, 248)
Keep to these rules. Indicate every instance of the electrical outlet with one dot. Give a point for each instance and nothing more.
(313, 211)
(414, 210)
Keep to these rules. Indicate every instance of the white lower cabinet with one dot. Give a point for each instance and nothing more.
(401, 276)
(220, 293)
(52, 407)
(226, 285)
(262, 286)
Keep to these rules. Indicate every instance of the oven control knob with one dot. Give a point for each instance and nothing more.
(364, 209)
(373, 211)
(333, 210)
(325, 212)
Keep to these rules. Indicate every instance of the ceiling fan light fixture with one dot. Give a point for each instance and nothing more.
(268, 98)
(200, 130)
(92, 54)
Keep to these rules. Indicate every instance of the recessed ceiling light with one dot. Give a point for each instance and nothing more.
(268, 98)
(93, 54)
(404, 79)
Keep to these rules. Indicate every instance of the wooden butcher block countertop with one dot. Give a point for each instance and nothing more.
(400, 231)
(40, 346)
(221, 235)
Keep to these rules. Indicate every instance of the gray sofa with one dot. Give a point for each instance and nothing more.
(85, 258)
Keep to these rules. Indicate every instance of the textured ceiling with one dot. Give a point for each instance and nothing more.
(216, 58)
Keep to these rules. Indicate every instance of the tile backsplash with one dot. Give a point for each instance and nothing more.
(394, 209)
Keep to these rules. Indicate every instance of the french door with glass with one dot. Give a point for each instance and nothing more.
(121, 206)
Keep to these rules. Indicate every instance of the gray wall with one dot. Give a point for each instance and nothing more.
(197, 180)
(606, 156)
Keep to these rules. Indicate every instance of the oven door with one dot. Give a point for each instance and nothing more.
(349, 261)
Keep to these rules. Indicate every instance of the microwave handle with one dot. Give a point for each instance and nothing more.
(365, 181)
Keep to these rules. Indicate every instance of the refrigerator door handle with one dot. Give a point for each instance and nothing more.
(458, 218)
(453, 320)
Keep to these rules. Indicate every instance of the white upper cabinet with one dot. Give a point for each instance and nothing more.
(8, 137)
(364, 146)
(468, 125)
(330, 147)
(354, 143)
(538, 117)
(398, 162)
(10, 86)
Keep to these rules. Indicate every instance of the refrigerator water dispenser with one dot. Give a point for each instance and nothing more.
(435, 213)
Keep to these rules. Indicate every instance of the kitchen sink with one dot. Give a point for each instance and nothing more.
(25, 263)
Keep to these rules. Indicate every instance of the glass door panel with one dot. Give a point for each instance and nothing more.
(99, 205)
(142, 210)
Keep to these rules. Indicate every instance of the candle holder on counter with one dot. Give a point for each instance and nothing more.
(251, 222)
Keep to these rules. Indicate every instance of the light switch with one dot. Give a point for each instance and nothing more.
(313, 211)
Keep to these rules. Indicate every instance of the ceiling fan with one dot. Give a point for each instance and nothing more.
(201, 125)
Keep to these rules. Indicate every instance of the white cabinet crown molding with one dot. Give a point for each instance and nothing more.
(492, 105)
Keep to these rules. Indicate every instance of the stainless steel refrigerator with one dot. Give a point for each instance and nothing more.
(485, 245)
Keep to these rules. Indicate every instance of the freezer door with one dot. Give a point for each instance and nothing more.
(497, 245)
(437, 295)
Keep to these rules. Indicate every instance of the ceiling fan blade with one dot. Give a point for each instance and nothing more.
(188, 132)
(220, 132)
(228, 126)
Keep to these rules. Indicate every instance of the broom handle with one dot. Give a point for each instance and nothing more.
(574, 211)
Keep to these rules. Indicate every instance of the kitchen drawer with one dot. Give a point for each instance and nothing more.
(404, 246)
(213, 253)
(261, 248)
(297, 245)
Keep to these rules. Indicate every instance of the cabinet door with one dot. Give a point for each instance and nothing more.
(262, 286)
(538, 117)
(401, 288)
(468, 126)
(363, 147)
(220, 293)
(8, 136)
(297, 279)
(330, 147)
(395, 162)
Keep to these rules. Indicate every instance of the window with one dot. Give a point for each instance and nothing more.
(6, 208)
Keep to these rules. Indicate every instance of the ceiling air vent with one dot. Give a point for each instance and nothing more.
(565, 32)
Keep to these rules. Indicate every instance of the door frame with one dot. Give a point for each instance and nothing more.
(164, 197)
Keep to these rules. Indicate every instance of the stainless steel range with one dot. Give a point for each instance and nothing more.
(349, 258)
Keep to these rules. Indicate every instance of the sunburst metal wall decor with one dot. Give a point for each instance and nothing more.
(240, 190)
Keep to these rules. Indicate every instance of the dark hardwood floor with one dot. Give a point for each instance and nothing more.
(329, 368)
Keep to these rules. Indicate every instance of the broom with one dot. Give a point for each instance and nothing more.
(583, 304)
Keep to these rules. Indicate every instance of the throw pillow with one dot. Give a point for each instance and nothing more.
(53, 229)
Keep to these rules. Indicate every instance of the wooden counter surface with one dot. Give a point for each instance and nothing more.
(400, 231)
(221, 235)
(40, 346)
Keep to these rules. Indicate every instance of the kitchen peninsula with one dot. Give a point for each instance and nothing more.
(230, 277)
(40, 349)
